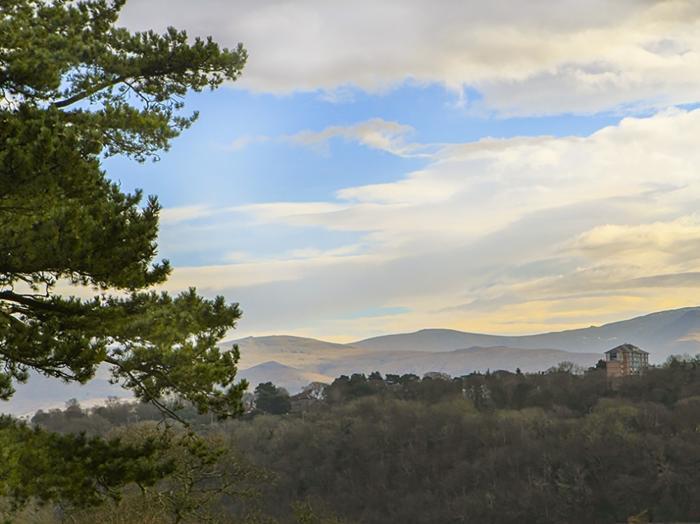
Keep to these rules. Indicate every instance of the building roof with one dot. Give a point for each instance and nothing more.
(627, 348)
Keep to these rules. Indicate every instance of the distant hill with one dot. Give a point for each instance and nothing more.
(459, 362)
(661, 334)
(293, 362)
(287, 377)
(297, 352)
(45, 393)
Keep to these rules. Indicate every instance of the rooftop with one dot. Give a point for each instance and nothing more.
(627, 348)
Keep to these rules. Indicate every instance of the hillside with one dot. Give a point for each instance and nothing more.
(500, 448)
(299, 352)
(661, 334)
(459, 362)
(289, 361)
(44, 393)
(288, 377)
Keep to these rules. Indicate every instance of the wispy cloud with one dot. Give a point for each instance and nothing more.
(384, 311)
(376, 133)
(174, 215)
(245, 141)
(309, 253)
(294, 213)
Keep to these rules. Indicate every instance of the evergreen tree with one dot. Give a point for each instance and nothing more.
(75, 89)
(74, 469)
(271, 399)
(77, 254)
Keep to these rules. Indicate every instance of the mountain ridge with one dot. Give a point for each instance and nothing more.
(661, 333)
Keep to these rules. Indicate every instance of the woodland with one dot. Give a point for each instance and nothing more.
(560, 446)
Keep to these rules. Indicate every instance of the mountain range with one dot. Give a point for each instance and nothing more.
(293, 362)
(456, 352)
(661, 334)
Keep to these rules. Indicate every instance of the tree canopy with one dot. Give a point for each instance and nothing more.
(498, 448)
(272, 399)
(78, 254)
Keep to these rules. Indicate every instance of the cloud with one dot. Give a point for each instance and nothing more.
(472, 189)
(502, 235)
(175, 215)
(294, 213)
(375, 133)
(543, 57)
(379, 312)
(245, 141)
(671, 244)
(308, 253)
(251, 272)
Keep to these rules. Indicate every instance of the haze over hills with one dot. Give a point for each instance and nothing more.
(459, 362)
(290, 378)
(456, 352)
(293, 362)
(297, 352)
(305, 355)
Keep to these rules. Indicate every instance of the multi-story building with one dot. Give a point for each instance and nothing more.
(626, 360)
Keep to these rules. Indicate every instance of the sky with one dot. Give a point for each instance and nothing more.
(387, 166)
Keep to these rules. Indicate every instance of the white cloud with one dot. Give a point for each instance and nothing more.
(375, 133)
(549, 57)
(174, 215)
(294, 213)
(177, 215)
(292, 266)
(247, 140)
(509, 235)
(306, 253)
(472, 189)
(648, 250)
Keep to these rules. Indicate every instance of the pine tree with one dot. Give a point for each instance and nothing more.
(75, 89)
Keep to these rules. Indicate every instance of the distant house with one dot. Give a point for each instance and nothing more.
(437, 375)
(625, 360)
(309, 396)
(248, 402)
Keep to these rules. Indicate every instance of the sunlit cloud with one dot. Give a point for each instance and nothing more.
(671, 245)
